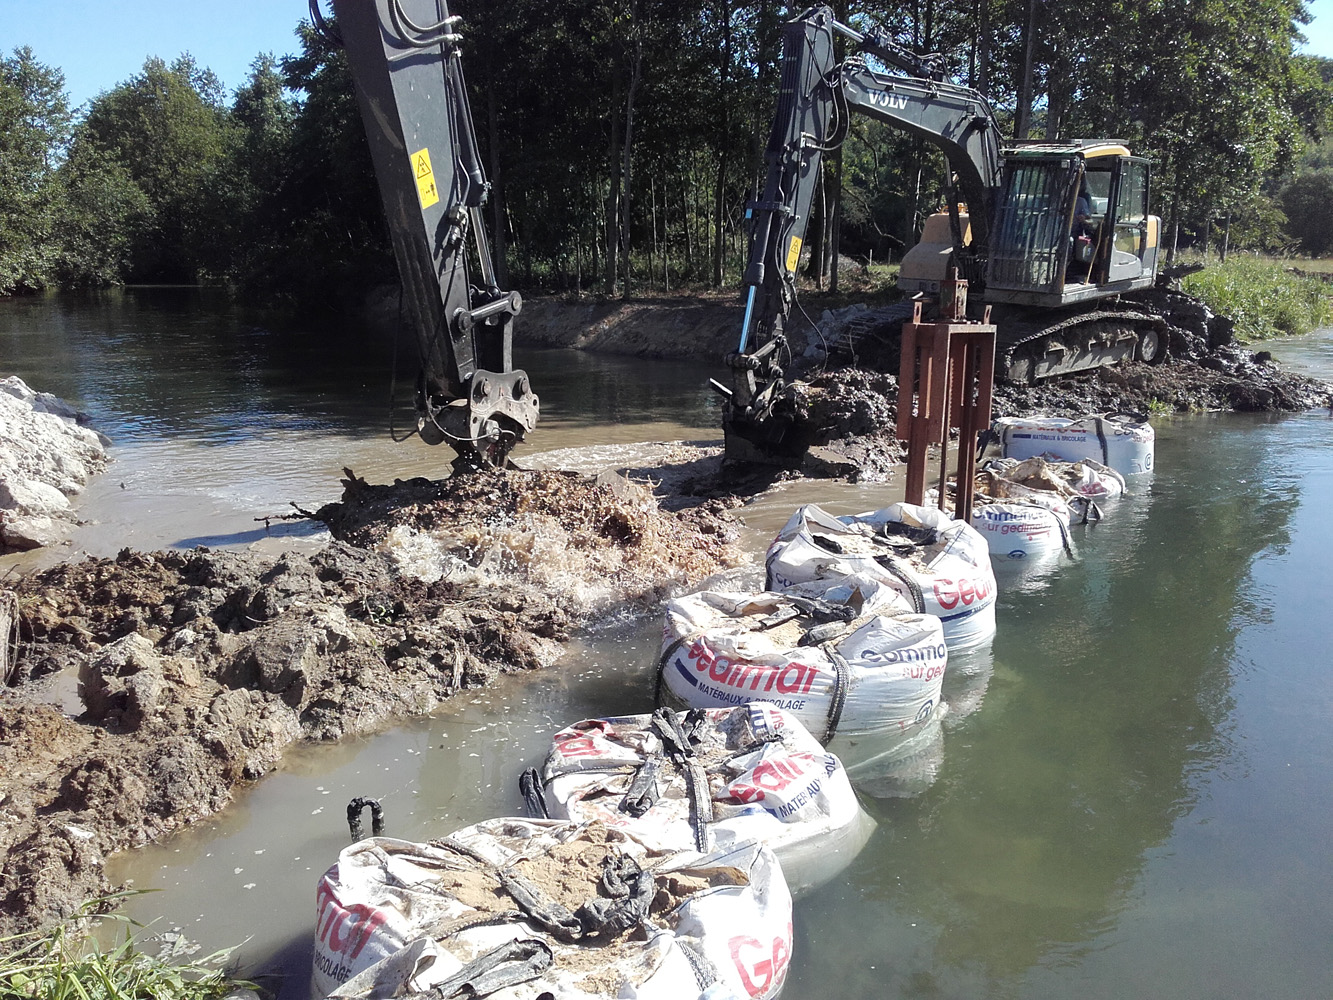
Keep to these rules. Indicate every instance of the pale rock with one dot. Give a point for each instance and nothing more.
(32, 497)
(19, 534)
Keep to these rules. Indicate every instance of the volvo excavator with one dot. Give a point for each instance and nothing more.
(409, 85)
(1050, 235)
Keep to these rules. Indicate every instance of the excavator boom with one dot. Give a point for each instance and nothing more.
(409, 84)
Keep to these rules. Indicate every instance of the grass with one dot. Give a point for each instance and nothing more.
(1263, 297)
(67, 963)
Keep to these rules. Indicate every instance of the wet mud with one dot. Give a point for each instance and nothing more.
(195, 669)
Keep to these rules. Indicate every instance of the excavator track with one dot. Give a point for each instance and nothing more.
(1033, 344)
(1036, 345)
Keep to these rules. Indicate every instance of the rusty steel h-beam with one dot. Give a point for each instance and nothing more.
(945, 378)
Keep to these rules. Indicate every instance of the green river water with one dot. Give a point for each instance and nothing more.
(1138, 803)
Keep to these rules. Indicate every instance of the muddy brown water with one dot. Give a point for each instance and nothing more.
(1133, 801)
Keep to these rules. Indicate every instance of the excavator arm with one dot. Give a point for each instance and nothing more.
(816, 97)
(409, 85)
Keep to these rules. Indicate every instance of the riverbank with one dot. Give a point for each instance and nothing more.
(199, 668)
(196, 669)
(854, 354)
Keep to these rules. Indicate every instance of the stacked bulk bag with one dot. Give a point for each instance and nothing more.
(516, 909)
(1018, 522)
(1124, 442)
(835, 671)
(940, 565)
(1085, 479)
(709, 778)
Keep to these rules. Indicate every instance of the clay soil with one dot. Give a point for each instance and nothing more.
(195, 669)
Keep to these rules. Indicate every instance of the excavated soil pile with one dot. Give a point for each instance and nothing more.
(593, 541)
(196, 669)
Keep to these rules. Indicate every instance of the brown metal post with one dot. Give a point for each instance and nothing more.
(946, 374)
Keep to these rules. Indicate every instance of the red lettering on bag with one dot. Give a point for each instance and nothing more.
(358, 921)
(760, 975)
(577, 746)
(950, 594)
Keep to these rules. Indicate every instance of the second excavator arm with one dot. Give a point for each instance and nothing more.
(409, 84)
(816, 96)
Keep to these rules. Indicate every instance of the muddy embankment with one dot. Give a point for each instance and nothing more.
(845, 402)
(195, 669)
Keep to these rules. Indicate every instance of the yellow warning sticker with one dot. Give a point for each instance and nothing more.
(426, 189)
(794, 253)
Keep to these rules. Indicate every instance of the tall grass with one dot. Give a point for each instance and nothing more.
(67, 963)
(1263, 298)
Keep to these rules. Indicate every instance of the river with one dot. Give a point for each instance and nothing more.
(1136, 802)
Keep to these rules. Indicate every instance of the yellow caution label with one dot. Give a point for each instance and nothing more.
(794, 253)
(426, 189)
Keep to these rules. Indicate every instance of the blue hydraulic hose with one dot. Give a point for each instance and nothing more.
(745, 326)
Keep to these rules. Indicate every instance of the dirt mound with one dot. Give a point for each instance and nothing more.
(596, 541)
(195, 669)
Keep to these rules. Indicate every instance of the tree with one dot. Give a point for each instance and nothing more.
(34, 128)
(167, 129)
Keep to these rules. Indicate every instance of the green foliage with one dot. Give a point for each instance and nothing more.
(168, 131)
(1262, 297)
(163, 180)
(1308, 203)
(34, 126)
(67, 963)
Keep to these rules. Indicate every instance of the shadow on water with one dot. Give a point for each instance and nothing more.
(1110, 697)
(282, 529)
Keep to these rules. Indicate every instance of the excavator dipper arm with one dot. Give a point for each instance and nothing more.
(816, 96)
(409, 84)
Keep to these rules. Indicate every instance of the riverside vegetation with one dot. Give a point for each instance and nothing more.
(623, 139)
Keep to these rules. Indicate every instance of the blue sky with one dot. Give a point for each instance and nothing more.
(99, 43)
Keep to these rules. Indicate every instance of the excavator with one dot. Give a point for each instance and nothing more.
(409, 84)
(1012, 228)
(1049, 235)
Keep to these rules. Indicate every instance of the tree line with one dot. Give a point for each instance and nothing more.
(624, 137)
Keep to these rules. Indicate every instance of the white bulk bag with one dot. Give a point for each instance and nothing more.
(942, 566)
(1023, 527)
(876, 673)
(718, 925)
(760, 776)
(1119, 440)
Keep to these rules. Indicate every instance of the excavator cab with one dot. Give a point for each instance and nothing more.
(1044, 252)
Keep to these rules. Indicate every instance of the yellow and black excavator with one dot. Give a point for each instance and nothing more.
(1049, 234)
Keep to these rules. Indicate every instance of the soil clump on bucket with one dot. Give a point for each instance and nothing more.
(196, 668)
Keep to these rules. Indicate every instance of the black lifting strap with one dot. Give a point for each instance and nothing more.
(843, 678)
(664, 659)
(629, 893)
(679, 740)
(354, 810)
(895, 566)
(532, 789)
(514, 962)
(643, 791)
